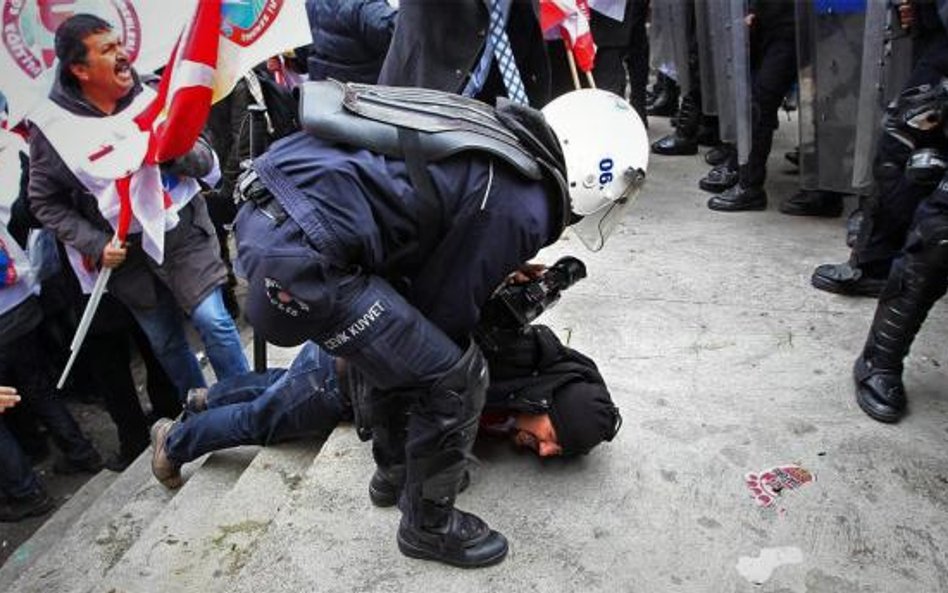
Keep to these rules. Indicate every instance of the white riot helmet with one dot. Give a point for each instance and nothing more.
(606, 150)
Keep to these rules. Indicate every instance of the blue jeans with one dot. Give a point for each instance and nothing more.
(164, 326)
(302, 401)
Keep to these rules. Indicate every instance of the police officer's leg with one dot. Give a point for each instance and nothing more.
(389, 435)
(773, 78)
(398, 349)
(917, 280)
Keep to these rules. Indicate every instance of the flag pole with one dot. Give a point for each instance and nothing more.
(572, 65)
(87, 315)
(590, 80)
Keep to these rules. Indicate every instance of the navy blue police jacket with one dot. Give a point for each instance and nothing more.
(364, 211)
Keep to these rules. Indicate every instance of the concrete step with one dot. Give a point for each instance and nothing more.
(186, 518)
(102, 534)
(53, 530)
(331, 532)
(205, 552)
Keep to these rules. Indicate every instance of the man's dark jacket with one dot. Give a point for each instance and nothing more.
(437, 44)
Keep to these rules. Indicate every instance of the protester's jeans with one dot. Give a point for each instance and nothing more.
(17, 478)
(303, 401)
(164, 326)
(220, 336)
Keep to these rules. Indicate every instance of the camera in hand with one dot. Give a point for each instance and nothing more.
(514, 306)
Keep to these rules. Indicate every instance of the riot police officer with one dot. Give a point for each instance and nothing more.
(381, 231)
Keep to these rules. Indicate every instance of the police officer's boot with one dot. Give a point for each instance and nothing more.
(685, 139)
(389, 430)
(662, 100)
(441, 431)
(917, 280)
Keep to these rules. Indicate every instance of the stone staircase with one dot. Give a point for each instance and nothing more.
(127, 533)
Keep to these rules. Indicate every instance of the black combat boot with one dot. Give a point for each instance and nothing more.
(441, 431)
(916, 282)
(685, 139)
(708, 130)
(662, 101)
(721, 154)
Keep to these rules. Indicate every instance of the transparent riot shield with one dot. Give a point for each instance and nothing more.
(730, 56)
(886, 65)
(829, 54)
(704, 16)
(669, 40)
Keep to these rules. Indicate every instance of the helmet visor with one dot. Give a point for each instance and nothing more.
(593, 229)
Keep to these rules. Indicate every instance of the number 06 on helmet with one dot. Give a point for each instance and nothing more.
(606, 150)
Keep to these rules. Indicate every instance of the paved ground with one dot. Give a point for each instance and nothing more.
(724, 362)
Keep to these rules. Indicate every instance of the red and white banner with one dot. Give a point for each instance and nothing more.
(569, 19)
(250, 31)
(28, 29)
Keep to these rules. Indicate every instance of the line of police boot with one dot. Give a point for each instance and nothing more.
(918, 279)
(692, 128)
(661, 99)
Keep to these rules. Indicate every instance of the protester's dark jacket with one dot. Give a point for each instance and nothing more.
(192, 267)
(230, 126)
(351, 38)
(529, 367)
(437, 44)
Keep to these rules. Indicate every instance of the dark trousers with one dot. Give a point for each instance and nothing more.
(17, 478)
(23, 366)
(279, 405)
(774, 70)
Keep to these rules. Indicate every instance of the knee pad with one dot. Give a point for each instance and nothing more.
(928, 242)
(461, 392)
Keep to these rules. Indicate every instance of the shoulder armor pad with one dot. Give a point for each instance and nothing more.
(369, 116)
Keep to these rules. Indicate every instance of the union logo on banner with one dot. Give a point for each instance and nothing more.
(29, 28)
(243, 23)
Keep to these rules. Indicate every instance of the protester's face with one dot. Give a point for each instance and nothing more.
(107, 69)
(535, 431)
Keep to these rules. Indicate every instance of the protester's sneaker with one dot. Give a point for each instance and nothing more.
(34, 505)
(197, 400)
(166, 471)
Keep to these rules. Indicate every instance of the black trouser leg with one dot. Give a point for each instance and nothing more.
(774, 74)
(108, 355)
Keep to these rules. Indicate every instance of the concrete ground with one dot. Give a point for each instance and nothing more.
(724, 362)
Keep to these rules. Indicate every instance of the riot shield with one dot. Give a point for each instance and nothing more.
(703, 20)
(829, 53)
(730, 58)
(668, 36)
(886, 66)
